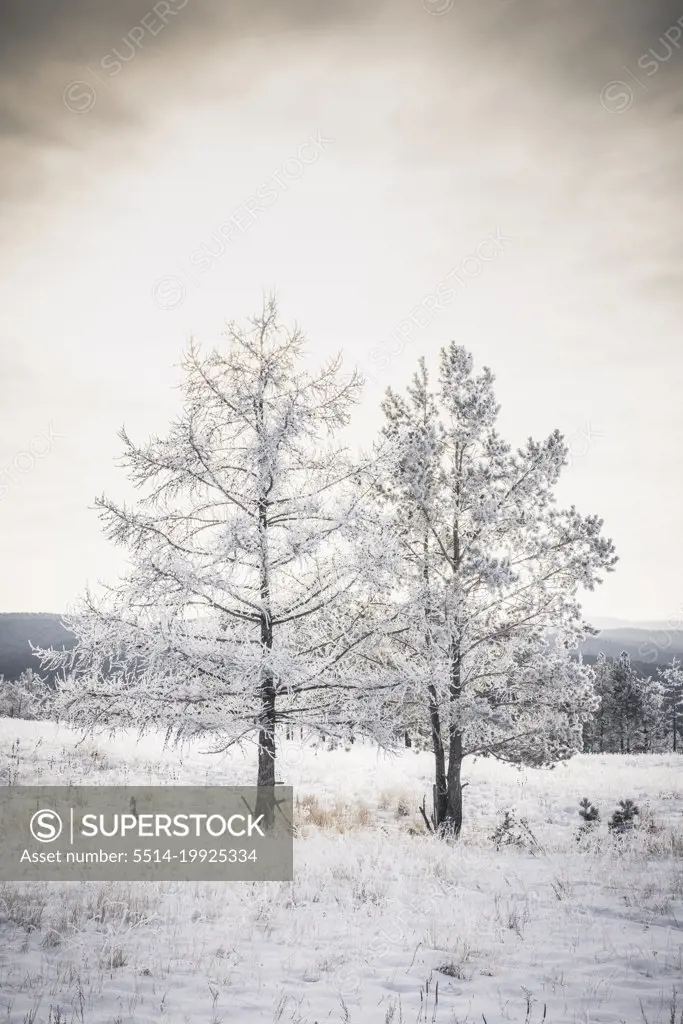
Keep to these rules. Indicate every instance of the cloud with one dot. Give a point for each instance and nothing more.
(50, 43)
(526, 78)
(63, 58)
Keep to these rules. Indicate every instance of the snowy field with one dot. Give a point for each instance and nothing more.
(382, 924)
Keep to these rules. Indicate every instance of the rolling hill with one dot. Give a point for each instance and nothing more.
(647, 647)
(18, 630)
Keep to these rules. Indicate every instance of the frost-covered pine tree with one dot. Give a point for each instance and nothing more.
(604, 728)
(488, 568)
(671, 680)
(252, 597)
(652, 697)
(629, 717)
(633, 707)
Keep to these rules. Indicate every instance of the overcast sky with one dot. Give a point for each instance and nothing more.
(530, 150)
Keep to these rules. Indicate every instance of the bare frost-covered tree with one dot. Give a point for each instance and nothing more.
(252, 597)
(489, 567)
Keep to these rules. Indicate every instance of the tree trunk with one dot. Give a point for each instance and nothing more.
(266, 737)
(266, 754)
(448, 784)
(266, 758)
(265, 801)
(450, 821)
(674, 723)
(440, 782)
(407, 740)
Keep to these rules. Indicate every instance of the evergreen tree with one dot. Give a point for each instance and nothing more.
(650, 730)
(629, 717)
(671, 679)
(487, 566)
(626, 700)
(624, 818)
(598, 732)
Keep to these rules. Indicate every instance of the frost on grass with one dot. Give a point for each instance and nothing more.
(377, 914)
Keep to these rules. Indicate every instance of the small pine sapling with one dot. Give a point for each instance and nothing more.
(514, 831)
(590, 815)
(505, 834)
(588, 811)
(624, 817)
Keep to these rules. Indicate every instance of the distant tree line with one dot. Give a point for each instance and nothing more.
(637, 713)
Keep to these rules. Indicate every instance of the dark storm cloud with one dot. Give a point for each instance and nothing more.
(578, 35)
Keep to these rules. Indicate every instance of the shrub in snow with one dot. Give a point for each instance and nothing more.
(513, 831)
(507, 833)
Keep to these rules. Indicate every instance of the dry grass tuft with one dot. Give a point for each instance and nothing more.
(22, 906)
(339, 817)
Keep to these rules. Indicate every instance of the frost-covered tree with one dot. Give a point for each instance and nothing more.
(632, 708)
(648, 736)
(671, 680)
(629, 716)
(488, 568)
(252, 599)
(626, 703)
(29, 696)
(598, 731)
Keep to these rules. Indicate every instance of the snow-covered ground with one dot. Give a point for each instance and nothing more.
(382, 924)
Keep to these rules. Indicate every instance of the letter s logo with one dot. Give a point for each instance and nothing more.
(46, 826)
